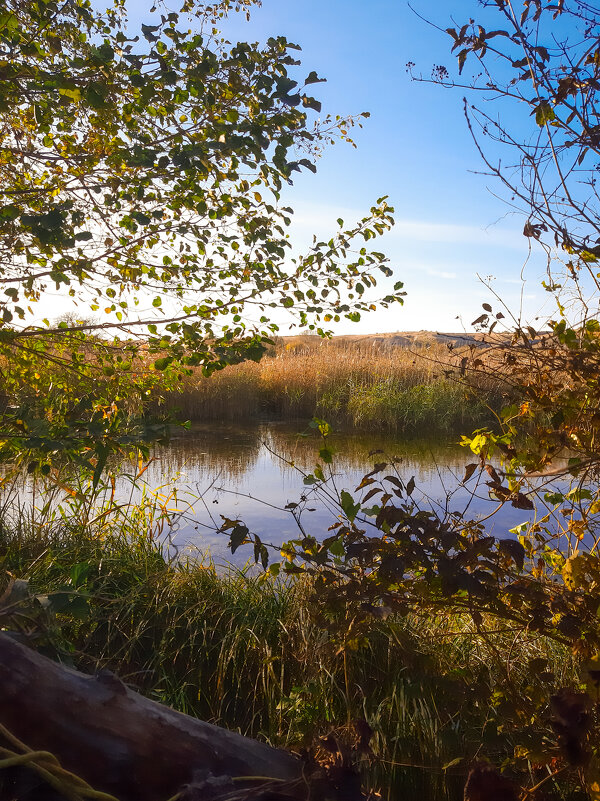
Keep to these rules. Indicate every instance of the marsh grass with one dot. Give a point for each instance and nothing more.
(250, 654)
(350, 383)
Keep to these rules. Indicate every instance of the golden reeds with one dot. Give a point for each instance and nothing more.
(365, 383)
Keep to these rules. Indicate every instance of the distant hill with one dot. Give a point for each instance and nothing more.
(398, 339)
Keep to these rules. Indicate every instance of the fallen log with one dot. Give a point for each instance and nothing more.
(118, 741)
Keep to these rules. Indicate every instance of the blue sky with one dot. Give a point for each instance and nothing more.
(415, 147)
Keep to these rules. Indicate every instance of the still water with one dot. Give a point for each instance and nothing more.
(252, 473)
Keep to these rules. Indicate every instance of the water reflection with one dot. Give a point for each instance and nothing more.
(252, 473)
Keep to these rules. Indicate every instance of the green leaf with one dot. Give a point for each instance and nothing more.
(79, 574)
(9, 213)
(103, 54)
(326, 455)
(337, 548)
(544, 113)
(349, 508)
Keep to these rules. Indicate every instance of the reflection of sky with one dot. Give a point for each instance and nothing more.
(252, 473)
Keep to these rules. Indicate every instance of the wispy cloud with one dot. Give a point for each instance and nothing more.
(322, 220)
(427, 231)
(439, 273)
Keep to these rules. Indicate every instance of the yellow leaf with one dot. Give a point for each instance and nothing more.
(581, 570)
(74, 94)
(592, 778)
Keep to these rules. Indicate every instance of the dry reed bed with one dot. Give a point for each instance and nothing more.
(350, 383)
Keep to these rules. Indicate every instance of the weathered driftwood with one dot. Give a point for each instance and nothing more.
(117, 740)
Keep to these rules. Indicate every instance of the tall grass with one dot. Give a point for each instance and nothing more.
(250, 654)
(358, 384)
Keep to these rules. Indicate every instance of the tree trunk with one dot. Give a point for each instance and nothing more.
(117, 740)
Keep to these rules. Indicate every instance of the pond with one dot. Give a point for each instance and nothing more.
(252, 473)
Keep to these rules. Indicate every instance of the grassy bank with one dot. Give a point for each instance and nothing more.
(249, 655)
(350, 383)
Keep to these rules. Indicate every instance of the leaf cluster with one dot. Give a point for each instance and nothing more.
(141, 176)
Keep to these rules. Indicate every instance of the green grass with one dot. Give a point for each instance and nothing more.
(440, 405)
(250, 654)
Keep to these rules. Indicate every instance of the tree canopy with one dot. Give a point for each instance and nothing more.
(141, 176)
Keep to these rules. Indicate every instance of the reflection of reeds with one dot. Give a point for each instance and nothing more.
(231, 451)
(349, 383)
